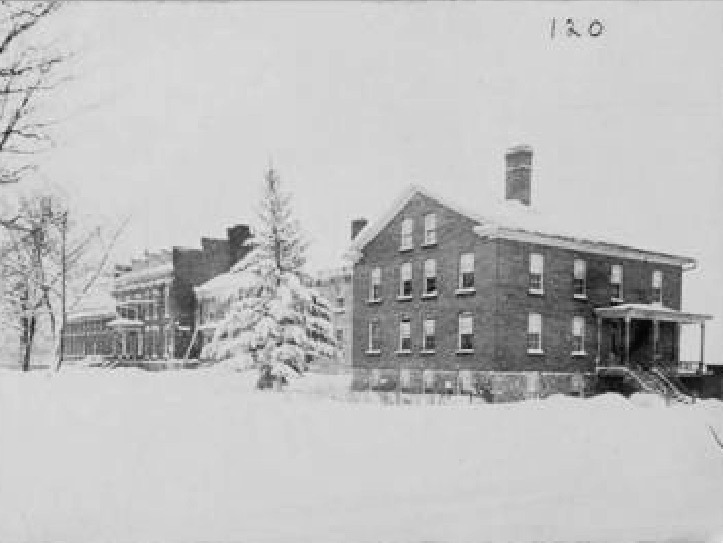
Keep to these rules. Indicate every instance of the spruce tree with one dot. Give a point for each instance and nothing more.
(275, 320)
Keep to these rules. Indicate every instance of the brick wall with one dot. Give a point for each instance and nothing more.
(558, 306)
(341, 316)
(454, 236)
(501, 303)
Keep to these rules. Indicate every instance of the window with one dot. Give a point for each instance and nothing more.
(405, 335)
(340, 302)
(428, 330)
(161, 302)
(466, 271)
(658, 287)
(430, 229)
(466, 332)
(580, 278)
(407, 228)
(374, 337)
(578, 335)
(537, 264)
(430, 277)
(405, 280)
(534, 333)
(616, 281)
(375, 286)
(339, 336)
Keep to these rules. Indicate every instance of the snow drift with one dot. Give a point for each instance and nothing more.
(126, 455)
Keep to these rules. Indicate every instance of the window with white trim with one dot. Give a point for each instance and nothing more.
(375, 342)
(375, 285)
(579, 278)
(339, 336)
(430, 229)
(405, 280)
(429, 334)
(537, 264)
(578, 335)
(658, 287)
(430, 277)
(466, 271)
(616, 281)
(405, 335)
(534, 333)
(407, 229)
(466, 332)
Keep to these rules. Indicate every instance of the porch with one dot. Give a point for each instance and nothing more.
(127, 339)
(646, 335)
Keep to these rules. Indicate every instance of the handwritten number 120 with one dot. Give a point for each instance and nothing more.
(594, 29)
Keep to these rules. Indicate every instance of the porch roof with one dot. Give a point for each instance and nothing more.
(122, 322)
(650, 312)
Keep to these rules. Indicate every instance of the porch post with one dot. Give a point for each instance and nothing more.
(123, 343)
(599, 340)
(627, 340)
(656, 334)
(702, 345)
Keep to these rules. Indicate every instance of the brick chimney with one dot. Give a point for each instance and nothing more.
(237, 236)
(518, 174)
(357, 225)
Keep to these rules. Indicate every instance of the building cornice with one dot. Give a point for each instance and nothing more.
(584, 245)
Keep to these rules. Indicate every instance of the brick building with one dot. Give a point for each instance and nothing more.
(155, 302)
(335, 285)
(439, 287)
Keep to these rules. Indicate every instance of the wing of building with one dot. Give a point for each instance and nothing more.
(148, 311)
(503, 288)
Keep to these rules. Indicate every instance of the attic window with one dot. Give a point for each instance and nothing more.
(407, 229)
(430, 229)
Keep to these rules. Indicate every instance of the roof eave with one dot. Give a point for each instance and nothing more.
(583, 245)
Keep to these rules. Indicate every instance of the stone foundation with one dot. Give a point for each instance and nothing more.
(493, 386)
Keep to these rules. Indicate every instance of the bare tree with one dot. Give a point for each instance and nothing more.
(27, 72)
(47, 258)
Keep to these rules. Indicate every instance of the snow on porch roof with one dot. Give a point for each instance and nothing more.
(509, 219)
(122, 322)
(650, 312)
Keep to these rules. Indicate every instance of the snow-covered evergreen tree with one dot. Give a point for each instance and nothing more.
(274, 319)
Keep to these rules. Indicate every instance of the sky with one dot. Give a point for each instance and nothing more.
(176, 109)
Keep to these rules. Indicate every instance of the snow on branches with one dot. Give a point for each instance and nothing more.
(274, 318)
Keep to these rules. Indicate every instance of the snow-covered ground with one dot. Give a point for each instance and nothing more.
(188, 456)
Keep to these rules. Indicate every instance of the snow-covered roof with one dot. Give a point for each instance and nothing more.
(96, 305)
(225, 285)
(121, 322)
(91, 313)
(145, 277)
(510, 219)
(651, 312)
